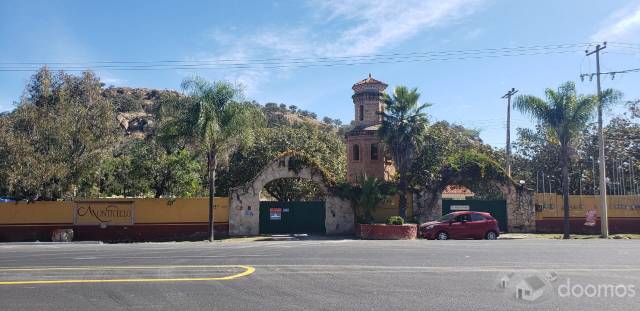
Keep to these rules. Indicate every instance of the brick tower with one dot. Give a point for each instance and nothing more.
(365, 151)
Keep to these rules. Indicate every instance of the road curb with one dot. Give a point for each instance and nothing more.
(52, 243)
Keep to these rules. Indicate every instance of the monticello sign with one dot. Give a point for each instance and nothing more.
(104, 213)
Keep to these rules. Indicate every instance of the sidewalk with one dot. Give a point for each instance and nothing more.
(558, 236)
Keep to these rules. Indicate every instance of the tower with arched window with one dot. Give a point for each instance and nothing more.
(365, 154)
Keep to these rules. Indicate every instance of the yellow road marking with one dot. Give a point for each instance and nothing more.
(248, 270)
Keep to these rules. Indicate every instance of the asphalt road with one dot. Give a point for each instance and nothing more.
(321, 275)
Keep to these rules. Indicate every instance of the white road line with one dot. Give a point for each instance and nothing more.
(451, 268)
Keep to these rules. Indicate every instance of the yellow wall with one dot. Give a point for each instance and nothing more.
(385, 210)
(146, 211)
(36, 213)
(617, 205)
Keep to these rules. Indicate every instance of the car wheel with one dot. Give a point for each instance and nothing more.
(491, 235)
(442, 236)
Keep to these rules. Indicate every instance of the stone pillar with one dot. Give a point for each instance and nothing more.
(244, 212)
(521, 213)
(427, 206)
(339, 218)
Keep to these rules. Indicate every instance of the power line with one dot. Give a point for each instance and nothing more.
(299, 62)
(443, 52)
(610, 73)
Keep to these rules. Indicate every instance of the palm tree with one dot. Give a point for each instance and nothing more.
(402, 129)
(564, 116)
(217, 123)
(373, 191)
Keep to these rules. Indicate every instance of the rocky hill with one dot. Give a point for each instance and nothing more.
(135, 107)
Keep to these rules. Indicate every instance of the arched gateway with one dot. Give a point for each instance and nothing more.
(472, 170)
(244, 208)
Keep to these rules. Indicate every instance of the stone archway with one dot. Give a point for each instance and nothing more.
(475, 169)
(521, 215)
(244, 217)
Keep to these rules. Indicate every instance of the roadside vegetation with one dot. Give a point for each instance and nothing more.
(71, 137)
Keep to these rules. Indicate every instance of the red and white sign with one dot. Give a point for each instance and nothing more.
(275, 213)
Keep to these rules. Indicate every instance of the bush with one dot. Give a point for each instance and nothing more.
(395, 220)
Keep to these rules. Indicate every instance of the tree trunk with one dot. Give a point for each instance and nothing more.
(565, 191)
(402, 204)
(211, 167)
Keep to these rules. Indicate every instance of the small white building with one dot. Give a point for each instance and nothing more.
(530, 288)
(505, 279)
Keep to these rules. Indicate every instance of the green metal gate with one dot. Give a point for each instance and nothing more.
(292, 217)
(497, 208)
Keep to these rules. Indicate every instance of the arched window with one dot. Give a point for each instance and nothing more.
(361, 112)
(374, 151)
(356, 152)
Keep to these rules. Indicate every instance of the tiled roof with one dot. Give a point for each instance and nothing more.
(454, 189)
(370, 80)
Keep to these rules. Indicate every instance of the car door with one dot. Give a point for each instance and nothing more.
(458, 229)
(477, 226)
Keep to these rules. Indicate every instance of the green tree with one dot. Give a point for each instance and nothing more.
(564, 115)
(308, 137)
(402, 130)
(141, 169)
(58, 134)
(217, 123)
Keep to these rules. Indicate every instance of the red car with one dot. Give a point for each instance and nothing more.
(461, 225)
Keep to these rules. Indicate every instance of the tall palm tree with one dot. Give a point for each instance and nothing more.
(217, 123)
(564, 115)
(402, 129)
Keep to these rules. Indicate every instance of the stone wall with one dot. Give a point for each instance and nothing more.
(244, 207)
(521, 214)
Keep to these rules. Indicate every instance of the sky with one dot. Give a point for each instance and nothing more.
(465, 90)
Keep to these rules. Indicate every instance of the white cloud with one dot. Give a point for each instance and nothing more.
(473, 34)
(248, 79)
(336, 28)
(621, 25)
(378, 24)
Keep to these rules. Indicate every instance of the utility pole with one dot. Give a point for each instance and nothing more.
(512, 92)
(604, 218)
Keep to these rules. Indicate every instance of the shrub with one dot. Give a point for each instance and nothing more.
(395, 220)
